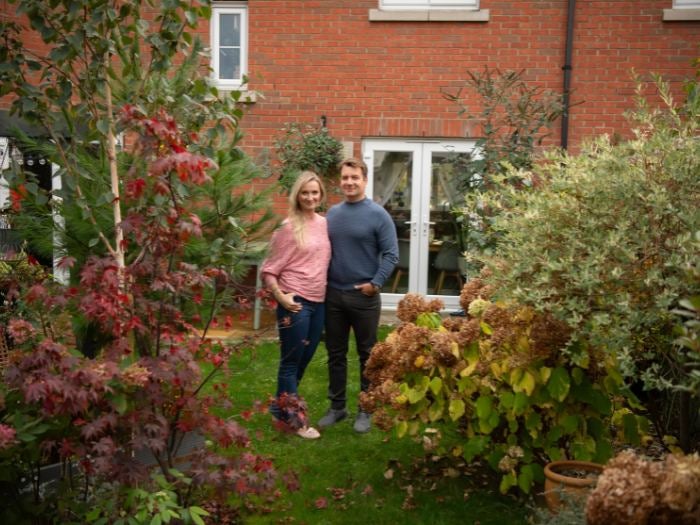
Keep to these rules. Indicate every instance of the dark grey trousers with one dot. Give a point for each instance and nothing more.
(345, 311)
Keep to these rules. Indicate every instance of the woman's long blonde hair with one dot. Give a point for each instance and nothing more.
(296, 216)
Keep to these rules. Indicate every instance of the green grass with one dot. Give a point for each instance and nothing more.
(350, 478)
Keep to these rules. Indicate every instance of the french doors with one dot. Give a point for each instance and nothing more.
(417, 182)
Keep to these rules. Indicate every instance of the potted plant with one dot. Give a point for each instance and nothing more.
(574, 477)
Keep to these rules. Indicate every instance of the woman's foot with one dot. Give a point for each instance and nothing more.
(308, 433)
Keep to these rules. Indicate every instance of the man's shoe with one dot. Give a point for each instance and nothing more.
(362, 422)
(332, 417)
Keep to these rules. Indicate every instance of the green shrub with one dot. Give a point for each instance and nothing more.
(601, 239)
(307, 148)
(496, 385)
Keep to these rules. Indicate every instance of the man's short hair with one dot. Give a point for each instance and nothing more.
(354, 163)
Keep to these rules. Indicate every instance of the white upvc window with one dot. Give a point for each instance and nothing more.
(686, 4)
(429, 4)
(683, 11)
(229, 44)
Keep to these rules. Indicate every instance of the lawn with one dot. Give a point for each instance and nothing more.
(350, 478)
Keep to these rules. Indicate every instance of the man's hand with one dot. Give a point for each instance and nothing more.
(368, 289)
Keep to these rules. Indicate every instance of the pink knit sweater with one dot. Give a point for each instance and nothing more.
(302, 270)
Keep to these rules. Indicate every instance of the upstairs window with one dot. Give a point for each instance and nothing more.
(429, 4)
(229, 44)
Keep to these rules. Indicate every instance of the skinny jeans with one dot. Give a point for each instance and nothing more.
(346, 310)
(299, 334)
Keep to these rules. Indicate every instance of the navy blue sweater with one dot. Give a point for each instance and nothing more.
(363, 243)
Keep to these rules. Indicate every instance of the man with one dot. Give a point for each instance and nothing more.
(364, 253)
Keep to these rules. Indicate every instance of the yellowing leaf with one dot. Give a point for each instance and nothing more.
(545, 372)
(401, 428)
(526, 383)
(436, 385)
(515, 375)
(456, 409)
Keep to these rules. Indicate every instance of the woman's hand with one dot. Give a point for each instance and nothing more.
(286, 300)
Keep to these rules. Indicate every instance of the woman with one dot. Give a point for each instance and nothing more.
(295, 271)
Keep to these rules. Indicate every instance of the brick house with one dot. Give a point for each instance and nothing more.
(373, 71)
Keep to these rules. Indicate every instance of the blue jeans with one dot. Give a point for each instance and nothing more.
(299, 335)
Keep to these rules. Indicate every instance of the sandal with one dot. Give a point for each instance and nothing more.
(308, 433)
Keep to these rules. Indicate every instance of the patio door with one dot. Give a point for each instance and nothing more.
(417, 183)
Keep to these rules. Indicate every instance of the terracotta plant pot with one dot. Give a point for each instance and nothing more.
(558, 477)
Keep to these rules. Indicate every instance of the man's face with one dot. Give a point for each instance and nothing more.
(352, 183)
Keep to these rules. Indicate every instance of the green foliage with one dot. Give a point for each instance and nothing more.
(497, 386)
(307, 148)
(515, 118)
(156, 231)
(601, 239)
(138, 506)
(688, 332)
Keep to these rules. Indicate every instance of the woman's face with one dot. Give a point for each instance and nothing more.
(309, 197)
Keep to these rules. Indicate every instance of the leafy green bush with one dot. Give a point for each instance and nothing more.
(515, 118)
(496, 385)
(601, 239)
(307, 148)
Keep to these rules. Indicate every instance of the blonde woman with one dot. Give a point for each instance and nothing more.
(296, 271)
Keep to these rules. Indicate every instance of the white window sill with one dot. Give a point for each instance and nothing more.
(681, 15)
(429, 15)
(247, 96)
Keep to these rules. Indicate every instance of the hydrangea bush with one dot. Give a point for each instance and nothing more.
(496, 385)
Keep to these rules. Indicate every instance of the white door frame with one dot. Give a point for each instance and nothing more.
(421, 150)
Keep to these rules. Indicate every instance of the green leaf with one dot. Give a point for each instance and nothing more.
(401, 428)
(588, 394)
(456, 409)
(484, 406)
(631, 429)
(415, 394)
(103, 126)
(559, 384)
(436, 385)
(474, 447)
(526, 478)
(507, 481)
(506, 400)
(520, 403)
(120, 403)
(569, 423)
(435, 411)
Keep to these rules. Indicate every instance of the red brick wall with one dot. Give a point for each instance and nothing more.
(384, 79)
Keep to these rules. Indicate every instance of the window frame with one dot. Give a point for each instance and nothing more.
(427, 4)
(686, 4)
(226, 8)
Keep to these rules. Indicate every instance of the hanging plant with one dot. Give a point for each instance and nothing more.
(305, 147)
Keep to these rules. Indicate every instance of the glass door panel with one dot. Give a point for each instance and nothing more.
(446, 275)
(392, 188)
(416, 182)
